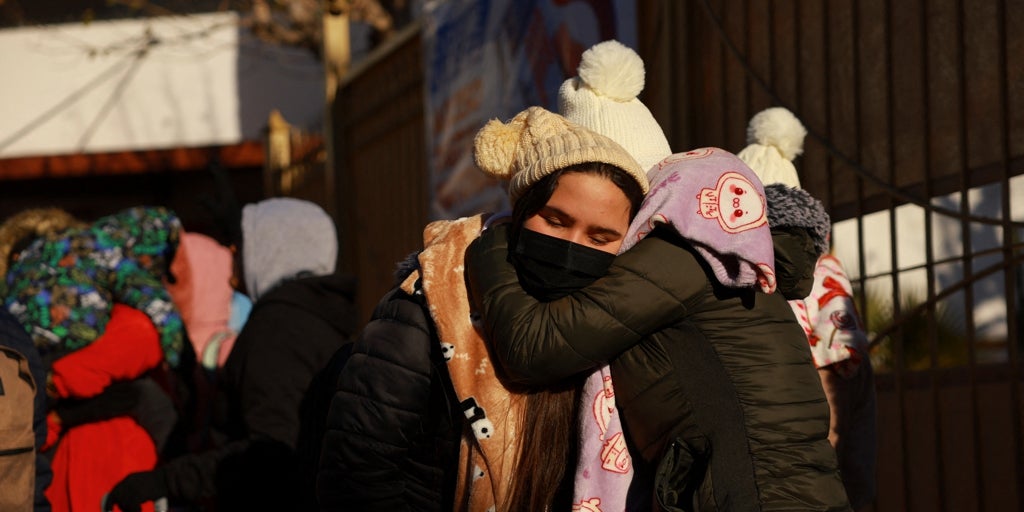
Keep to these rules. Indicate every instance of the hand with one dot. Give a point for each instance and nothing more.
(485, 258)
(136, 489)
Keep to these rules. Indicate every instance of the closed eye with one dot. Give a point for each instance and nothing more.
(554, 222)
(603, 236)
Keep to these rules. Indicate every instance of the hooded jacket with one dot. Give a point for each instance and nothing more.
(63, 285)
(701, 395)
(202, 291)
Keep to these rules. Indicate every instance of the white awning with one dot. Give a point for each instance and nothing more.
(188, 81)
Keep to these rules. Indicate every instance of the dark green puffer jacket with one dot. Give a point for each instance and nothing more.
(715, 386)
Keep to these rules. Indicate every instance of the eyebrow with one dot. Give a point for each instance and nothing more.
(598, 229)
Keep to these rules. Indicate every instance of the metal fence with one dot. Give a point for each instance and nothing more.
(915, 118)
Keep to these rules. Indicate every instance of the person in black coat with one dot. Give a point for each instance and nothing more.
(302, 314)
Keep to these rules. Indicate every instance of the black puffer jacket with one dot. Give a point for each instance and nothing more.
(715, 385)
(394, 424)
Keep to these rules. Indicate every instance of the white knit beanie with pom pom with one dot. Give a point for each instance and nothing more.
(536, 143)
(603, 98)
(775, 137)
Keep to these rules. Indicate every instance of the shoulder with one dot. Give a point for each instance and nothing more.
(401, 307)
(398, 337)
(666, 261)
(660, 243)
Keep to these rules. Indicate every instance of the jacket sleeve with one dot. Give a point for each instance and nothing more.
(192, 477)
(378, 410)
(540, 343)
(263, 452)
(795, 257)
(128, 348)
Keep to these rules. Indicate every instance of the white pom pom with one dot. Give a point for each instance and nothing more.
(612, 69)
(777, 127)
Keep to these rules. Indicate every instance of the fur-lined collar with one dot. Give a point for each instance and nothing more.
(789, 206)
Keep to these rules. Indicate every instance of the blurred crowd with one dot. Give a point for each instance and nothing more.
(153, 368)
(145, 382)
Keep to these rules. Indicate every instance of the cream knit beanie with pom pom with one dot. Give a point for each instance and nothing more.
(536, 143)
(775, 137)
(603, 98)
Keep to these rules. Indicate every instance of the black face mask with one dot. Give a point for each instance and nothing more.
(550, 268)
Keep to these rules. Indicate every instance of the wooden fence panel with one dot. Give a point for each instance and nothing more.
(382, 169)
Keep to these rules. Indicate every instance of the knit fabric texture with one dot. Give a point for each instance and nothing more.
(775, 137)
(603, 98)
(795, 207)
(536, 143)
(283, 238)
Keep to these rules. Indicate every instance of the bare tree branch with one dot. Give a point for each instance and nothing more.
(296, 23)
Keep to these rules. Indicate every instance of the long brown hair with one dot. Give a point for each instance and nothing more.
(542, 479)
(548, 448)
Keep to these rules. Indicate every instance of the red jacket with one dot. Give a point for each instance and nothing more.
(91, 458)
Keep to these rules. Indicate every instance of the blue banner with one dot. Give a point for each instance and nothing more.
(489, 59)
